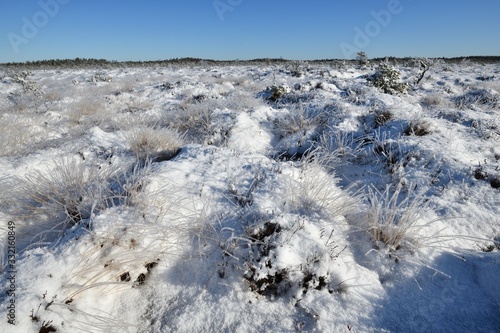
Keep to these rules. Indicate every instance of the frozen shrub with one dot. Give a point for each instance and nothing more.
(296, 68)
(274, 93)
(156, 144)
(425, 64)
(28, 85)
(386, 79)
(418, 128)
(492, 247)
(100, 77)
(165, 86)
(382, 117)
(267, 270)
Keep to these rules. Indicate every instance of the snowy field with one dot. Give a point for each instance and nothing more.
(278, 198)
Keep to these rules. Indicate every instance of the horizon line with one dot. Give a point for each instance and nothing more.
(195, 59)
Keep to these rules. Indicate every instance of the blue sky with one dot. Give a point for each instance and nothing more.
(246, 29)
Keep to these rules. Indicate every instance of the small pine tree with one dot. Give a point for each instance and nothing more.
(362, 58)
(386, 79)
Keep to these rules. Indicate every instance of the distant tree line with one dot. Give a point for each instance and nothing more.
(454, 60)
(103, 63)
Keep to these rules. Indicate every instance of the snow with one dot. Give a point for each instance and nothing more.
(263, 220)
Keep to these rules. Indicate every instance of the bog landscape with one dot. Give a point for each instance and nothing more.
(252, 196)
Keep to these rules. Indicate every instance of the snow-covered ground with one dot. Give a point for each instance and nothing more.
(290, 198)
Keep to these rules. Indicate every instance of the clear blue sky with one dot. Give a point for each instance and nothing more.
(246, 29)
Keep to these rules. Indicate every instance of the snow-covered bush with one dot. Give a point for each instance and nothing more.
(495, 182)
(425, 64)
(293, 250)
(419, 127)
(386, 78)
(275, 93)
(297, 68)
(100, 76)
(290, 259)
(157, 144)
(383, 116)
(28, 84)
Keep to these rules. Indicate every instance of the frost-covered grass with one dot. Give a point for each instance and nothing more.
(155, 144)
(249, 199)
